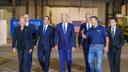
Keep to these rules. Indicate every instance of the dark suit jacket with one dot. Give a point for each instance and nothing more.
(118, 40)
(66, 41)
(22, 39)
(33, 31)
(80, 39)
(45, 40)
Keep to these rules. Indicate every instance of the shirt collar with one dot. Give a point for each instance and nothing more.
(98, 26)
(114, 27)
(27, 24)
(89, 24)
(46, 25)
(65, 23)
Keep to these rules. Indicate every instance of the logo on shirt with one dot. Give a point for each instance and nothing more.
(98, 30)
(26, 30)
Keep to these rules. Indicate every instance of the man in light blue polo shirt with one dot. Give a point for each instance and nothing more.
(98, 44)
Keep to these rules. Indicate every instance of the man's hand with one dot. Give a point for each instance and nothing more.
(30, 51)
(73, 49)
(82, 33)
(35, 47)
(14, 50)
(83, 36)
(56, 46)
(54, 49)
(106, 49)
(81, 47)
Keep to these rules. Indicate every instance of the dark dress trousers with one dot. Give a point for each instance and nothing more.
(22, 40)
(115, 44)
(34, 33)
(85, 43)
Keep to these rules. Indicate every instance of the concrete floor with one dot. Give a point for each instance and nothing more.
(9, 61)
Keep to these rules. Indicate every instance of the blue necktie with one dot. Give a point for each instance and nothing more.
(44, 29)
(64, 28)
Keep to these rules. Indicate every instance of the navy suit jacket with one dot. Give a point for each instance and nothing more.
(45, 40)
(22, 41)
(118, 40)
(66, 41)
(80, 39)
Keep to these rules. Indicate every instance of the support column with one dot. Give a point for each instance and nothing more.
(126, 9)
(27, 6)
(35, 9)
(42, 8)
(13, 8)
(106, 13)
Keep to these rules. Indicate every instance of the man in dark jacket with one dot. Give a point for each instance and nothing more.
(45, 44)
(115, 44)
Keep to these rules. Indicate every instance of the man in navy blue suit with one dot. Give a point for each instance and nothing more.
(33, 33)
(84, 43)
(65, 42)
(32, 27)
(45, 36)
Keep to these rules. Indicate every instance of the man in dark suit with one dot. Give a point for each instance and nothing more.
(32, 27)
(45, 36)
(65, 42)
(84, 43)
(33, 32)
(115, 43)
(22, 41)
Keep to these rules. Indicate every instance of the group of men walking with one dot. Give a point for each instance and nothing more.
(93, 38)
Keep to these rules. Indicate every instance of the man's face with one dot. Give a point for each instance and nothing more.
(93, 22)
(46, 20)
(88, 18)
(27, 18)
(64, 18)
(113, 23)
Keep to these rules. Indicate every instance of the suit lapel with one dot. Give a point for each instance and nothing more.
(67, 28)
(85, 26)
(46, 29)
(109, 29)
(62, 29)
(41, 30)
(116, 32)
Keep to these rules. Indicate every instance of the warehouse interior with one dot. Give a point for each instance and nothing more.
(76, 9)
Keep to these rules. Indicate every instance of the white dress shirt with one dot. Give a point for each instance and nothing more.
(89, 25)
(114, 29)
(27, 23)
(45, 27)
(66, 25)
